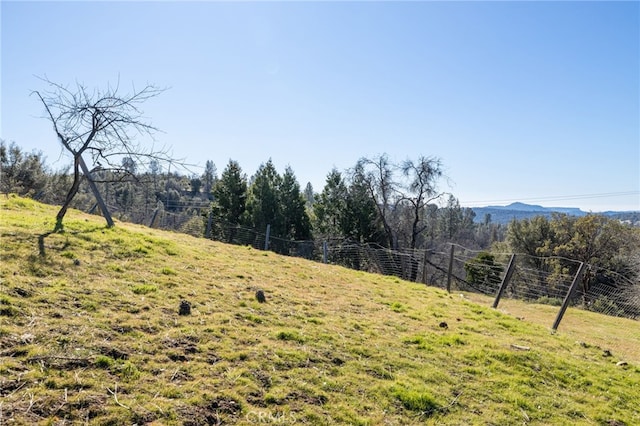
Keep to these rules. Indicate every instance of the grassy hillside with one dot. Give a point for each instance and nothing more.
(90, 333)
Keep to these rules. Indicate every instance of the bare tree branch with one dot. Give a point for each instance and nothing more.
(104, 123)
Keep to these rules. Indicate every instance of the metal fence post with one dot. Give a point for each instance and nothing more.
(567, 298)
(266, 238)
(450, 272)
(209, 225)
(153, 218)
(325, 250)
(505, 280)
(424, 267)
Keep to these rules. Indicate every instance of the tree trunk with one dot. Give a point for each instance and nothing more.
(70, 195)
(96, 192)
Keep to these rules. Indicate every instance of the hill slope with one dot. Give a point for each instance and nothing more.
(90, 332)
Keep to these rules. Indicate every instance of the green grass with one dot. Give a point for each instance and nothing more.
(90, 334)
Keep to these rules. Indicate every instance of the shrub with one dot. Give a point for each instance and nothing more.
(483, 272)
(604, 305)
(546, 300)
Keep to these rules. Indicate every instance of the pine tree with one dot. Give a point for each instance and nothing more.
(263, 206)
(331, 208)
(208, 179)
(230, 195)
(296, 223)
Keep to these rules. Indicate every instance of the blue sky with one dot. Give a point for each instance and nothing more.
(530, 101)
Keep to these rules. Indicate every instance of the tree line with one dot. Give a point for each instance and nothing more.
(397, 206)
(393, 206)
(376, 201)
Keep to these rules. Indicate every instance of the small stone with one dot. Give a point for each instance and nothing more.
(260, 296)
(443, 325)
(27, 338)
(606, 353)
(185, 308)
(76, 262)
(520, 347)
(622, 363)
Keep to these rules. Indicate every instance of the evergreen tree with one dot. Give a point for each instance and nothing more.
(196, 184)
(361, 221)
(263, 206)
(451, 219)
(309, 195)
(230, 195)
(296, 223)
(483, 273)
(129, 165)
(208, 179)
(331, 208)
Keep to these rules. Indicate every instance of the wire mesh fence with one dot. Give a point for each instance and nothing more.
(545, 280)
(534, 279)
(609, 293)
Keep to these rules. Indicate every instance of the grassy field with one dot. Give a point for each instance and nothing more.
(90, 333)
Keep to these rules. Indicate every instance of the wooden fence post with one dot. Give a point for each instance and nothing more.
(567, 298)
(450, 272)
(505, 280)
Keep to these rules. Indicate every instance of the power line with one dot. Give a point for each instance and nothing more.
(557, 197)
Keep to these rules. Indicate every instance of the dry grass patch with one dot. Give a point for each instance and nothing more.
(620, 336)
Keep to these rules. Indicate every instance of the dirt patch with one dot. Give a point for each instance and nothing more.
(183, 348)
(10, 386)
(112, 352)
(263, 378)
(220, 410)
(307, 399)
(61, 362)
(177, 357)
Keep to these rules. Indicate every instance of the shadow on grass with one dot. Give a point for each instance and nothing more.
(42, 237)
(41, 248)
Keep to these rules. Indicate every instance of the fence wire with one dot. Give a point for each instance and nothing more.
(534, 279)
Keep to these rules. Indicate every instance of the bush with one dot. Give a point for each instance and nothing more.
(483, 273)
(546, 300)
(606, 306)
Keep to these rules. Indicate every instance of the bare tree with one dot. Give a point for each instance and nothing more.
(421, 188)
(102, 124)
(377, 175)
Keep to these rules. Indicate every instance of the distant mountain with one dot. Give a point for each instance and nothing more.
(522, 207)
(519, 211)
